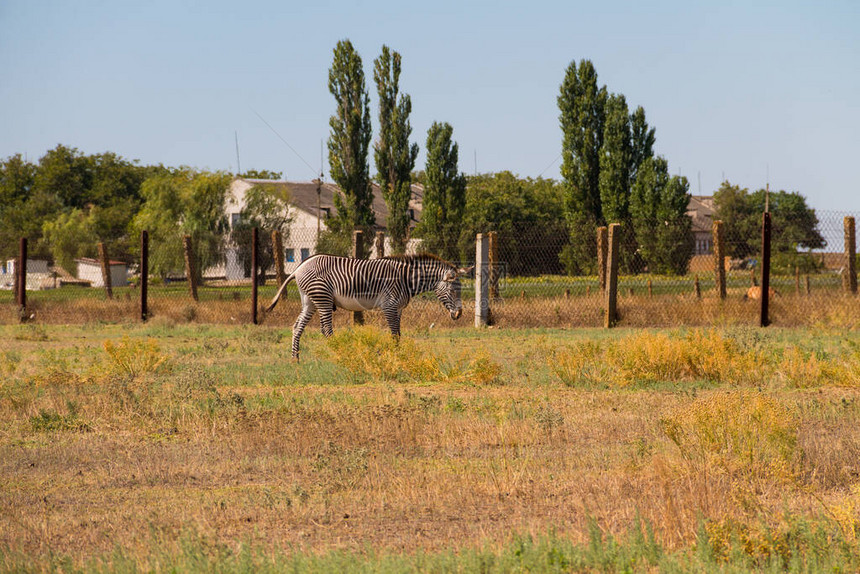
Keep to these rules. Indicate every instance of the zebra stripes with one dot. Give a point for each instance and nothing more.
(326, 282)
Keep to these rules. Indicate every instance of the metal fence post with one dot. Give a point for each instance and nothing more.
(482, 280)
(720, 259)
(849, 278)
(358, 253)
(611, 294)
(144, 274)
(764, 319)
(254, 276)
(107, 280)
(21, 274)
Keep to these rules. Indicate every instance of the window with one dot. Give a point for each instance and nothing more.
(326, 212)
(305, 253)
(234, 220)
(291, 255)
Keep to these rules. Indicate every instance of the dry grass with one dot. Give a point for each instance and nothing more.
(141, 439)
(821, 309)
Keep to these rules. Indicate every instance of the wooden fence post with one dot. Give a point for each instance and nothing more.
(190, 275)
(21, 276)
(107, 280)
(254, 273)
(611, 293)
(278, 252)
(697, 287)
(144, 274)
(482, 280)
(358, 253)
(764, 318)
(720, 259)
(601, 257)
(849, 278)
(380, 244)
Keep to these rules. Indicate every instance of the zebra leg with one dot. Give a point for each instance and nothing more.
(302, 321)
(392, 317)
(326, 308)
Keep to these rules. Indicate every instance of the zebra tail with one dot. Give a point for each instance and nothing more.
(280, 292)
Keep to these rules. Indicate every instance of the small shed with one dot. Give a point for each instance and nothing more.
(91, 270)
(33, 266)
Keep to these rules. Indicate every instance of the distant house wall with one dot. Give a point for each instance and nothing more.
(91, 270)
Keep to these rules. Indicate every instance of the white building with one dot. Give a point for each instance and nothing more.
(38, 275)
(91, 270)
(311, 205)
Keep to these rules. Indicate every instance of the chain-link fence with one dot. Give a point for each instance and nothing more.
(674, 274)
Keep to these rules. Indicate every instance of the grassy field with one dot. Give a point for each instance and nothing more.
(185, 447)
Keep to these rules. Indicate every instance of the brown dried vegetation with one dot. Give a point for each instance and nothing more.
(114, 438)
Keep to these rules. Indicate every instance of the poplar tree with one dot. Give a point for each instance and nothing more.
(348, 144)
(615, 162)
(395, 157)
(582, 103)
(642, 140)
(658, 206)
(444, 194)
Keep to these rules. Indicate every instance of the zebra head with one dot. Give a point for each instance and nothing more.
(448, 291)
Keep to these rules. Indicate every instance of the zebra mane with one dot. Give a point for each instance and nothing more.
(417, 258)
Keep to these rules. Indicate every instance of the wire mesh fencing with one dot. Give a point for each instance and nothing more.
(671, 275)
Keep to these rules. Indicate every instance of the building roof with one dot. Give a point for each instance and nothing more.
(91, 261)
(701, 211)
(303, 195)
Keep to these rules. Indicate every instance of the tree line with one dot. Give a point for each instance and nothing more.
(67, 202)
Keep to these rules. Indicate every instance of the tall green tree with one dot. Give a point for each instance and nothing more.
(17, 177)
(527, 216)
(615, 161)
(642, 138)
(582, 106)
(658, 207)
(794, 225)
(444, 194)
(348, 144)
(395, 156)
(184, 202)
(70, 236)
(267, 207)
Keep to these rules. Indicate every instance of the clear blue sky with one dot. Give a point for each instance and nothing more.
(742, 90)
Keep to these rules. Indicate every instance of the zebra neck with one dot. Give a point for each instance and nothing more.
(419, 280)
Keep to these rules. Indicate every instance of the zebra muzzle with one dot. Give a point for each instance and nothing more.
(456, 314)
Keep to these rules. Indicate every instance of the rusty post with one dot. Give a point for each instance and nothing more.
(21, 275)
(107, 280)
(719, 259)
(764, 318)
(278, 253)
(849, 278)
(144, 274)
(254, 272)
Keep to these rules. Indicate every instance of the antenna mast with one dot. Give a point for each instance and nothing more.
(238, 165)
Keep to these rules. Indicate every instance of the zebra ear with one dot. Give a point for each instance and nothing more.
(465, 270)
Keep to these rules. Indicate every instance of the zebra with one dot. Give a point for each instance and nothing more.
(326, 282)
